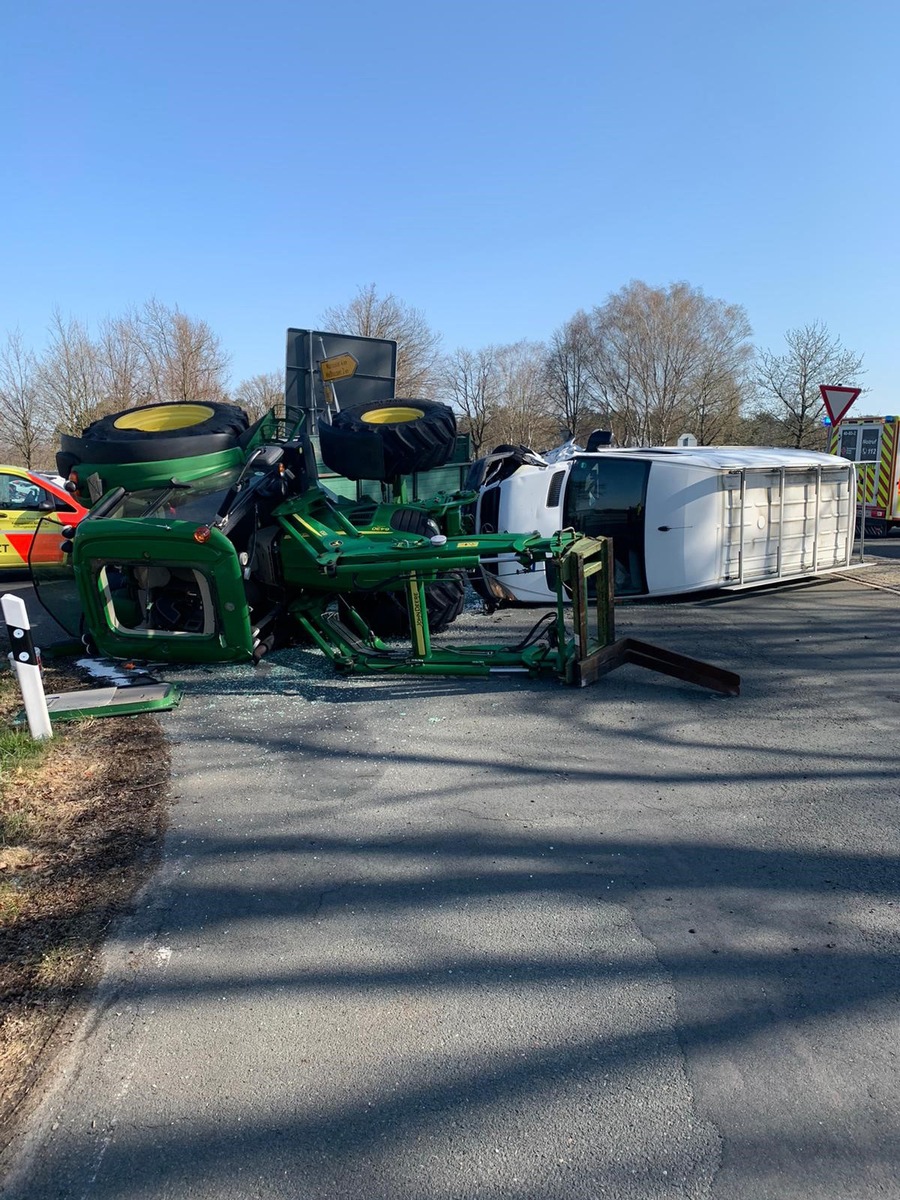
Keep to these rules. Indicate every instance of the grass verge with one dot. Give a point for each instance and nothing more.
(80, 822)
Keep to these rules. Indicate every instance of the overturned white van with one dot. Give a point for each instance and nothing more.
(682, 519)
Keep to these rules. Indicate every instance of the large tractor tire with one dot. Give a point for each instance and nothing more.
(155, 433)
(382, 441)
(387, 615)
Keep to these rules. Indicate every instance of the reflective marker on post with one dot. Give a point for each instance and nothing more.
(25, 661)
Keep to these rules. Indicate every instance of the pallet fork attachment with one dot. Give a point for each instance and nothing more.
(578, 645)
(597, 650)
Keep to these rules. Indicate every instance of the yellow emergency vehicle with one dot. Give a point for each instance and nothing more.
(872, 443)
(27, 499)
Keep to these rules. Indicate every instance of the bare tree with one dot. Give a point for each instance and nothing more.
(664, 358)
(570, 395)
(722, 375)
(418, 346)
(125, 378)
(23, 421)
(69, 376)
(471, 382)
(521, 417)
(760, 427)
(183, 357)
(788, 384)
(261, 393)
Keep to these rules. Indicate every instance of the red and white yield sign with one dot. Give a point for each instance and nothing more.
(838, 400)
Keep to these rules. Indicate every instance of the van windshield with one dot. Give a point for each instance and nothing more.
(607, 497)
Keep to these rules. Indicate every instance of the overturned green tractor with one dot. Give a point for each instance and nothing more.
(214, 541)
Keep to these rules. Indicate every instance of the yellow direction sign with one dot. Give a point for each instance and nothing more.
(342, 366)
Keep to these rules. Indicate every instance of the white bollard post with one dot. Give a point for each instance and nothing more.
(25, 661)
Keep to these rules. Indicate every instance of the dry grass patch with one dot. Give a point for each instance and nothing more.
(80, 824)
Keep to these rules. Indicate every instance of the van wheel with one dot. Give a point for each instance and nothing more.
(382, 441)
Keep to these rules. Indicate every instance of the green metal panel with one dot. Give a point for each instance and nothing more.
(441, 479)
(462, 452)
(370, 488)
(90, 703)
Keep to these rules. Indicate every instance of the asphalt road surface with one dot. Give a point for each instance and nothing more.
(430, 940)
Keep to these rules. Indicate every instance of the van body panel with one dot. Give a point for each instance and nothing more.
(685, 519)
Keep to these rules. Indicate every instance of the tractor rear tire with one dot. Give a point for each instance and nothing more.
(387, 615)
(383, 441)
(175, 419)
(156, 432)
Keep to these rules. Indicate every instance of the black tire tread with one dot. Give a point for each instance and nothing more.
(223, 419)
(358, 449)
(102, 443)
(386, 613)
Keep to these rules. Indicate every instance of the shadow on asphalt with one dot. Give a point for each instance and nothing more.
(775, 974)
(816, 977)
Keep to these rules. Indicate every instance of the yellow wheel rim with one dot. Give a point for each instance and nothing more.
(392, 416)
(163, 417)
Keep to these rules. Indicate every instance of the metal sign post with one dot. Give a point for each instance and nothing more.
(861, 510)
(838, 402)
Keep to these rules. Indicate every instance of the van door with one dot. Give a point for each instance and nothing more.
(607, 497)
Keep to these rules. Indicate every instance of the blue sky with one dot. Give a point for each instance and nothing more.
(496, 165)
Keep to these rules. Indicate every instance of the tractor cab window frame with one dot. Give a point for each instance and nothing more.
(199, 501)
(157, 601)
